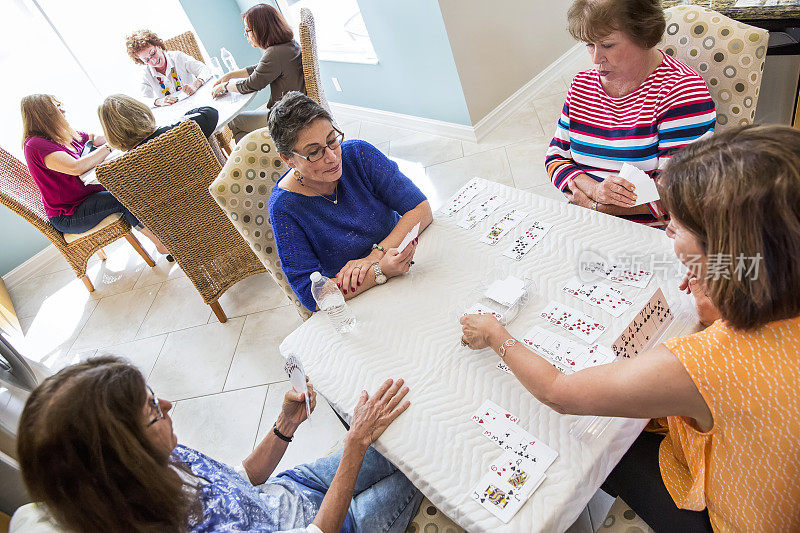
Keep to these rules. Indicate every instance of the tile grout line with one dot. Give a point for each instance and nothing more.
(260, 416)
(232, 390)
(158, 356)
(233, 355)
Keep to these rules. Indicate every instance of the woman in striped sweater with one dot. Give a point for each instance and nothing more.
(637, 106)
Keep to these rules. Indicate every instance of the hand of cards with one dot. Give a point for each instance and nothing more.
(515, 475)
(646, 327)
(297, 378)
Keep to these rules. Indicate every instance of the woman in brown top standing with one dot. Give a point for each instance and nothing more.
(281, 66)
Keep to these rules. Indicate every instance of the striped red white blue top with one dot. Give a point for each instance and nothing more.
(596, 133)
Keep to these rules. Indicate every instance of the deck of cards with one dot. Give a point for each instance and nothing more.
(297, 378)
(517, 473)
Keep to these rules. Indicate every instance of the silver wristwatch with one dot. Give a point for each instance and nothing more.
(506, 345)
(380, 277)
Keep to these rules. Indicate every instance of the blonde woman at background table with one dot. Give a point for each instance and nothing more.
(53, 151)
(280, 67)
(165, 72)
(730, 460)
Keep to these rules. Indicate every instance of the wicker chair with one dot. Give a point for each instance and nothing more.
(308, 47)
(19, 193)
(242, 190)
(729, 55)
(165, 184)
(186, 43)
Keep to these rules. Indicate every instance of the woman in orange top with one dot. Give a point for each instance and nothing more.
(730, 460)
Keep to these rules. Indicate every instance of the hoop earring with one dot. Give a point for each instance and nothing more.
(298, 177)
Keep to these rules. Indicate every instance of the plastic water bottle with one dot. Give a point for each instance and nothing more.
(331, 300)
(228, 60)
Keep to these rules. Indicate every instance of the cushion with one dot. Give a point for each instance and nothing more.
(623, 519)
(429, 519)
(110, 219)
(729, 55)
(242, 190)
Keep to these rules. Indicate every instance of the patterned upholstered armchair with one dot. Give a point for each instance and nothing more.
(729, 55)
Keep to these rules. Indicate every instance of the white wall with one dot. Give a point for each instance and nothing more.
(500, 46)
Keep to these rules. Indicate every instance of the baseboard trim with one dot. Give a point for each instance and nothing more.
(527, 92)
(399, 120)
(31, 267)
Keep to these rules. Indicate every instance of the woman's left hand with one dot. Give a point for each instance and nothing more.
(353, 273)
(219, 90)
(293, 409)
(578, 197)
(478, 330)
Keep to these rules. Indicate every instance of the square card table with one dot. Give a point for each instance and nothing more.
(408, 328)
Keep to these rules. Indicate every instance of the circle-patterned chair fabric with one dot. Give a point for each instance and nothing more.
(729, 55)
(242, 190)
(429, 519)
(623, 519)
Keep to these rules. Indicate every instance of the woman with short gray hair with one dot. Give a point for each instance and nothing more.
(343, 207)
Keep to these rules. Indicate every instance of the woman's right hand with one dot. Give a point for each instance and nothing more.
(394, 263)
(373, 415)
(614, 191)
(167, 100)
(222, 79)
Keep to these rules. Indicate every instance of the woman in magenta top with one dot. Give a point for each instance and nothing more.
(53, 152)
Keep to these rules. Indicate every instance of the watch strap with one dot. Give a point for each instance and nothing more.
(376, 268)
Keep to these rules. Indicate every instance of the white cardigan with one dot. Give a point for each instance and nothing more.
(187, 68)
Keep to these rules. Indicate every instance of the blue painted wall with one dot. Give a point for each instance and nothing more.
(218, 23)
(415, 75)
(19, 241)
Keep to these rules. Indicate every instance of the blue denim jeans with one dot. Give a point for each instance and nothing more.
(90, 212)
(383, 499)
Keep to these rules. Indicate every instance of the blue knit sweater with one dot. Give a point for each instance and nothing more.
(313, 233)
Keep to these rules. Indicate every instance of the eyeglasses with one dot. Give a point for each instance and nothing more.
(319, 153)
(248, 30)
(157, 406)
(151, 55)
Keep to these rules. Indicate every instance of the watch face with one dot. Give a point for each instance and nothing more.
(381, 279)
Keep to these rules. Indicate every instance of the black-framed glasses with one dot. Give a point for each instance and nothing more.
(319, 153)
(157, 406)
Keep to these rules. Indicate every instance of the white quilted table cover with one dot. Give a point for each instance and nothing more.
(409, 328)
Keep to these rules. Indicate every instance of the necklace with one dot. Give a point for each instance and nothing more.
(336, 192)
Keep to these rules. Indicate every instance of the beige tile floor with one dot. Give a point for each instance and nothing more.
(227, 380)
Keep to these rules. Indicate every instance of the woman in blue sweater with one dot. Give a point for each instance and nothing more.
(342, 209)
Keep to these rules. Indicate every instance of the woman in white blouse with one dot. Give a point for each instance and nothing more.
(165, 72)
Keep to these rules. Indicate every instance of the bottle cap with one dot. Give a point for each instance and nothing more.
(316, 276)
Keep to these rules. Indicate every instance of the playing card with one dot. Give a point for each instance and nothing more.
(463, 196)
(598, 355)
(297, 377)
(410, 236)
(516, 440)
(583, 326)
(634, 275)
(490, 412)
(609, 299)
(504, 367)
(479, 309)
(646, 190)
(500, 498)
(481, 212)
(522, 474)
(528, 240)
(646, 327)
(509, 221)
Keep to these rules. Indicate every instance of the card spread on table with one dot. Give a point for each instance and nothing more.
(463, 196)
(646, 190)
(481, 212)
(646, 327)
(567, 356)
(507, 486)
(479, 309)
(410, 236)
(528, 240)
(489, 412)
(297, 377)
(598, 294)
(583, 326)
(506, 291)
(633, 275)
(509, 221)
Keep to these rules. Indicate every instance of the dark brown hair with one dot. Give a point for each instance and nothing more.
(738, 192)
(268, 26)
(84, 453)
(41, 118)
(139, 40)
(592, 21)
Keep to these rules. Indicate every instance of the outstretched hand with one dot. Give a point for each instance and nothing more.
(372, 415)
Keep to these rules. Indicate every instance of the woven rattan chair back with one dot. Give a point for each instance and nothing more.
(18, 192)
(308, 47)
(165, 184)
(186, 43)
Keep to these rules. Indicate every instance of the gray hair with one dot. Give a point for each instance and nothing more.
(289, 116)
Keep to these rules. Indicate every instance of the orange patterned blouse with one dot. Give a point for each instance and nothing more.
(746, 470)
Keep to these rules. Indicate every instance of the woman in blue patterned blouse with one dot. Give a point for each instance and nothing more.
(97, 448)
(342, 209)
